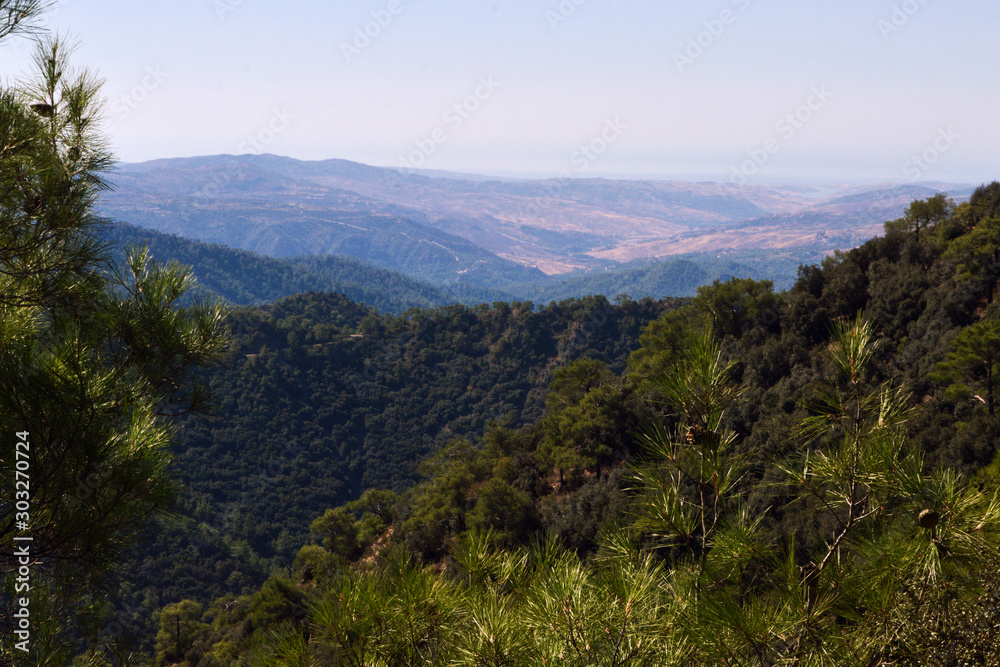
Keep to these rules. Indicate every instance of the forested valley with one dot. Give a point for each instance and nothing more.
(744, 477)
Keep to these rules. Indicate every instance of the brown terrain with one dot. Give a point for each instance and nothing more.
(556, 226)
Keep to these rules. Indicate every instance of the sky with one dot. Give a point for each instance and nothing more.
(744, 91)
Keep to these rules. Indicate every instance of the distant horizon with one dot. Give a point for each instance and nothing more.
(739, 91)
(528, 175)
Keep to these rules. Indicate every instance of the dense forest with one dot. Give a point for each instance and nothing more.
(322, 399)
(565, 479)
(741, 477)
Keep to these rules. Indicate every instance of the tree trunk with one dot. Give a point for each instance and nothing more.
(993, 276)
(990, 397)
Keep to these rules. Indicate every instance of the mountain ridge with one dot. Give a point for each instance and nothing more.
(490, 234)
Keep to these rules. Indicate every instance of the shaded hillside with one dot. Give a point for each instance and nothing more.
(245, 278)
(678, 277)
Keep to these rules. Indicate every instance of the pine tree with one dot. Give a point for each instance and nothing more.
(973, 364)
(93, 355)
(906, 543)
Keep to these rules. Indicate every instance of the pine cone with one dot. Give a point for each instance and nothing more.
(43, 109)
(694, 433)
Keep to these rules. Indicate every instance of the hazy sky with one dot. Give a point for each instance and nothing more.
(743, 90)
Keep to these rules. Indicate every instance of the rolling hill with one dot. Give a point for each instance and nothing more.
(476, 239)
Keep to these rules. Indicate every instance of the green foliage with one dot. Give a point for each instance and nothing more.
(679, 276)
(523, 607)
(21, 17)
(340, 536)
(323, 399)
(584, 420)
(985, 202)
(699, 385)
(502, 508)
(977, 255)
(974, 359)
(395, 615)
(661, 345)
(927, 213)
(180, 624)
(738, 305)
(904, 541)
(439, 507)
(277, 602)
(732, 308)
(687, 486)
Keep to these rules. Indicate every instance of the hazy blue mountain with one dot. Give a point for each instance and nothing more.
(243, 206)
(478, 239)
